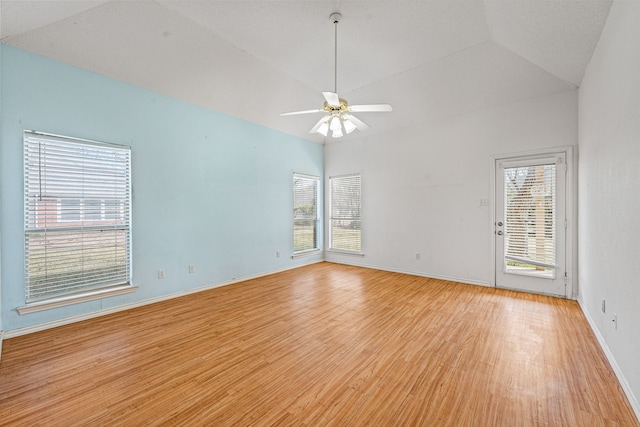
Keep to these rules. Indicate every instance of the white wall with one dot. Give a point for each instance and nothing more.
(609, 171)
(422, 186)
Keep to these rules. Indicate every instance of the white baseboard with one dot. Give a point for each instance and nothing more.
(414, 273)
(104, 312)
(633, 400)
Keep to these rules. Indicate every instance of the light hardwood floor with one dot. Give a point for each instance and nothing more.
(321, 345)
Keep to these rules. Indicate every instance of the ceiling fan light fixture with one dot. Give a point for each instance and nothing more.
(335, 124)
(348, 126)
(323, 129)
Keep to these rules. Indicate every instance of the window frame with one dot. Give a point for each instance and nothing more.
(332, 216)
(316, 220)
(50, 222)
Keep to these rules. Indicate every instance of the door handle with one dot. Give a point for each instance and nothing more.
(499, 232)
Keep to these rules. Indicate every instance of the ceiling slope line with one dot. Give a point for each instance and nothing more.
(445, 119)
(7, 39)
(230, 44)
(485, 18)
(571, 84)
(422, 64)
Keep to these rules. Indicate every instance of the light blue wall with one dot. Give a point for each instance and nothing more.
(208, 189)
(1, 204)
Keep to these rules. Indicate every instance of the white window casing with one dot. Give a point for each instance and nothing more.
(77, 223)
(306, 190)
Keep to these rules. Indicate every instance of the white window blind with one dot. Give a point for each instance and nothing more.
(77, 215)
(305, 212)
(530, 219)
(345, 231)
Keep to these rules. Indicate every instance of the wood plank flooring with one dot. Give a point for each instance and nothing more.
(322, 345)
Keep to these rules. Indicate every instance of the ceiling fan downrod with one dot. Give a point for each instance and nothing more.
(335, 18)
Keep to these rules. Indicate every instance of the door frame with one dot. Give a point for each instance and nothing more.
(571, 212)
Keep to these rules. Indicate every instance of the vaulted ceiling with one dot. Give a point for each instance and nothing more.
(430, 59)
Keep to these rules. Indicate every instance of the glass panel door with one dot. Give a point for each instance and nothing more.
(530, 224)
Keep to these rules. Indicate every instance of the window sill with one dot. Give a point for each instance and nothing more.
(76, 298)
(305, 253)
(341, 252)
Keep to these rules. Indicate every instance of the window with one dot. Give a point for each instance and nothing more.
(345, 232)
(530, 220)
(77, 216)
(305, 213)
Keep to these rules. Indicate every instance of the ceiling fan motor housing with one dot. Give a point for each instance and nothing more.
(344, 106)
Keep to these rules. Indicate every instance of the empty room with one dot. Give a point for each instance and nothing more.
(314, 213)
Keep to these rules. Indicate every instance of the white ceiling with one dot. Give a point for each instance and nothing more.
(430, 59)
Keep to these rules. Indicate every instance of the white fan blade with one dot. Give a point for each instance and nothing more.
(371, 108)
(295, 113)
(332, 98)
(362, 126)
(315, 128)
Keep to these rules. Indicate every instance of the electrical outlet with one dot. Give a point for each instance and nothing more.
(192, 268)
(418, 256)
(277, 254)
(604, 305)
(160, 274)
(615, 321)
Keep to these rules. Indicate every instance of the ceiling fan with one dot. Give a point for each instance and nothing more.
(338, 115)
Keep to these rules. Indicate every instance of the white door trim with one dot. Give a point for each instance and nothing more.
(571, 203)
